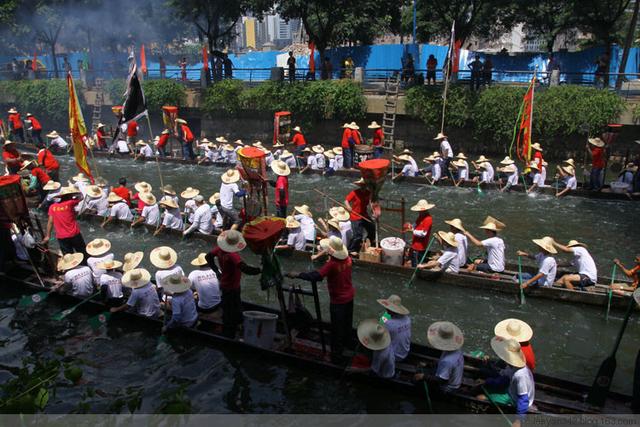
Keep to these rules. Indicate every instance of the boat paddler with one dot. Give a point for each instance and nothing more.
(202, 220)
(456, 227)
(448, 338)
(633, 273)
(144, 298)
(568, 175)
(171, 217)
(110, 283)
(520, 331)
(182, 302)
(397, 321)
(46, 158)
(547, 265)
(205, 285)
(165, 259)
(118, 209)
(16, 127)
(493, 244)
(357, 202)
(281, 185)
(587, 274)
(298, 141)
(98, 249)
(448, 260)
(77, 279)
(337, 270)
(421, 231)
(150, 214)
(535, 176)
(410, 167)
(376, 338)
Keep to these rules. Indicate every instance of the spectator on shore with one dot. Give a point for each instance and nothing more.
(602, 63)
(553, 70)
(183, 69)
(217, 70)
(66, 65)
(163, 68)
(409, 69)
(326, 72)
(291, 63)
(432, 65)
(487, 71)
(476, 72)
(228, 67)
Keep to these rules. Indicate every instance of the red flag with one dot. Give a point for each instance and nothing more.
(455, 64)
(143, 60)
(78, 130)
(34, 64)
(312, 59)
(205, 58)
(523, 140)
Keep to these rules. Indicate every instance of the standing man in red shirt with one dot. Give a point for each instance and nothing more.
(186, 136)
(101, 137)
(421, 231)
(281, 185)
(356, 203)
(299, 142)
(596, 148)
(337, 270)
(537, 154)
(132, 132)
(15, 125)
(122, 190)
(229, 274)
(36, 128)
(378, 139)
(62, 219)
(12, 157)
(346, 151)
(39, 178)
(162, 142)
(48, 161)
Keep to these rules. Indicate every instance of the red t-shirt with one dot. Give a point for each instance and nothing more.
(164, 139)
(345, 138)
(282, 183)
(6, 155)
(187, 134)
(378, 136)
(42, 176)
(298, 140)
(529, 357)
(338, 274)
(64, 218)
(356, 137)
(48, 160)
(16, 123)
(359, 200)
(141, 204)
(35, 124)
(102, 139)
(132, 128)
(229, 264)
(597, 160)
(124, 193)
(537, 157)
(423, 223)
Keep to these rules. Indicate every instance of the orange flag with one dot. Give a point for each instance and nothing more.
(78, 130)
(143, 60)
(34, 64)
(205, 58)
(312, 59)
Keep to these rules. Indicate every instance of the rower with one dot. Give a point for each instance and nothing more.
(304, 216)
(421, 231)
(543, 174)
(485, 168)
(201, 218)
(376, 338)
(182, 303)
(222, 152)
(48, 161)
(514, 387)
(53, 192)
(15, 125)
(448, 338)
(633, 274)
(205, 285)
(356, 203)
(57, 143)
(229, 188)
(118, 209)
(110, 283)
(547, 265)
(98, 249)
(537, 154)
(77, 278)
(462, 171)
(596, 148)
(132, 260)
(144, 150)
(494, 246)
(38, 178)
(171, 217)
(456, 227)
(308, 160)
(445, 151)
(229, 154)
(80, 181)
(295, 238)
(410, 167)
(122, 190)
(216, 216)
(341, 215)
(281, 184)
(144, 298)
(168, 193)
(397, 321)
(627, 174)
(587, 274)
(150, 214)
(337, 270)
(433, 171)
(164, 259)
(520, 331)
(101, 137)
(36, 129)
(511, 172)
(277, 150)
(339, 157)
(229, 272)
(226, 219)
(535, 176)
(190, 204)
(62, 219)
(507, 161)
(141, 187)
(289, 159)
(377, 139)
(331, 163)
(209, 149)
(298, 141)
(12, 157)
(567, 173)
(448, 261)
(121, 146)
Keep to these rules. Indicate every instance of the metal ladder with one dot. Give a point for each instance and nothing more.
(97, 106)
(392, 87)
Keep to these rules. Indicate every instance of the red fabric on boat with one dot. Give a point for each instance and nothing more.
(263, 233)
(13, 204)
(374, 172)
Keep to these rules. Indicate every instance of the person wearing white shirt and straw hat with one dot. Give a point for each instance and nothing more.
(98, 251)
(520, 331)
(410, 167)
(536, 177)
(201, 218)
(110, 283)
(376, 338)
(190, 204)
(445, 151)
(96, 200)
(171, 217)
(377, 140)
(493, 244)
(77, 279)
(150, 212)
(229, 188)
(448, 338)
(339, 157)
(132, 260)
(456, 227)
(448, 261)
(511, 173)
(183, 305)
(205, 285)
(397, 321)
(164, 259)
(304, 216)
(547, 265)
(568, 175)
(587, 273)
(119, 209)
(144, 297)
(433, 171)
(295, 237)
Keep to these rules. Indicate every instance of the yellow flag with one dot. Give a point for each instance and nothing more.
(78, 130)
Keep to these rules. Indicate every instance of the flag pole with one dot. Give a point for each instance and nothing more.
(533, 94)
(448, 74)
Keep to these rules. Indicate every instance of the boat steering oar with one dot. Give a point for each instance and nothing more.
(601, 385)
(415, 271)
(65, 313)
(610, 293)
(520, 280)
(486, 393)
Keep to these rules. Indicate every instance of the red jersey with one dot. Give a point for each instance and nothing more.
(537, 157)
(298, 139)
(163, 140)
(124, 193)
(359, 200)
(345, 138)
(15, 121)
(229, 264)
(132, 129)
(64, 218)
(423, 223)
(378, 137)
(102, 139)
(529, 357)
(282, 183)
(48, 160)
(6, 155)
(356, 137)
(187, 134)
(35, 124)
(597, 160)
(41, 175)
(338, 274)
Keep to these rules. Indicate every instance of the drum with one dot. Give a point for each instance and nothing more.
(13, 205)
(362, 152)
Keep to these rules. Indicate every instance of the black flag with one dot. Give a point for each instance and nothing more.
(135, 104)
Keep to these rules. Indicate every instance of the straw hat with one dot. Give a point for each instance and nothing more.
(459, 163)
(546, 243)
(278, 145)
(230, 176)
(374, 125)
(333, 222)
(534, 165)
(52, 134)
(136, 278)
(222, 139)
(7, 143)
(280, 168)
(570, 162)
(69, 261)
(109, 265)
(114, 198)
(98, 247)
(214, 198)
(69, 190)
(29, 115)
(51, 185)
(189, 193)
(339, 213)
(353, 126)
(329, 154)
(176, 284)
(597, 142)
(257, 144)
(79, 178)
(26, 164)
(200, 260)
(132, 260)
(12, 110)
(448, 237)
(291, 222)
(297, 129)
(345, 126)
(231, 241)
(335, 247)
(482, 159)
(394, 303)
(163, 257)
(422, 205)
(513, 329)
(509, 350)
(181, 121)
(509, 169)
(440, 136)
(100, 125)
(307, 150)
(304, 210)
(285, 154)
(499, 224)
(338, 150)
(101, 182)
(445, 336)
(168, 189)
(142, 187)
(317, 149)
(238, 142)
(140, 143)
(148, 199)
(94, 192)
(405, 157)
(372, 335)
(568, 170)
(165, 132)
(507, 161)
(490, 226)
(205, 141)
(631, 167)
(169, 203)
(228, 147)
(573, 243)
(361, 181)
(456, 223)
(536, 147)
(461, 156)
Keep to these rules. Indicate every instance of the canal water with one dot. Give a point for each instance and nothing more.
(570, 341)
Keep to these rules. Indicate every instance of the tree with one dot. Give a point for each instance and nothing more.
(627, 44)
(546, 19)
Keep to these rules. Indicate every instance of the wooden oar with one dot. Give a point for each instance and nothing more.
(415, 271)
(635, 397)
(613, 278)
(65, 313)
(601, 385)
(520, 280)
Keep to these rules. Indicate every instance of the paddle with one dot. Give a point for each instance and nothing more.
(600, 388)
(426, 392)
(635, 400)
(613, 278)
(486, 393)
(65, 313)
(520, 280)
(415, 271)
(524, 184)
(479, 190)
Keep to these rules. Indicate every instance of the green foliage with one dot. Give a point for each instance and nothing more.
(115, 89)
(425, 102)
(495, 113)
(29, 391)
(163, 92)
(224, 96)
(636, 113)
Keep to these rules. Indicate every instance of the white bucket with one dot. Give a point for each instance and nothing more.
(392, 250)
(259, 328)
(619, 187)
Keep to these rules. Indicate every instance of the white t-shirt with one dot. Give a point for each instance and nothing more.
(537, 179)
(163, 274)
(320, 161)
(570, 182)
(145, 301)
(81, 281)
(547, 265)
(189, 209)
(169, 197)
(202, 220)
(339, 161)
(463, 173)
(512, 179)
(206, 284)
(121, 211)
(522, 383)
(113, 282)
(451, 369)
(215, 213)
(400, 330)
(409, 170)
(92, 262)
(296, 239)
(495, 253)
(445, 149)
(100, 205)
(462, 248)
(146, 151)
(151, 214)
(59, 142)
(307, 225)
(122, 146)
(346, 231)
(384, 363)
(172, 219)
(291, 162)
(543, 176)
(269, 158)
(583, 261)
(449, 261)
(436, 171)
(312, 163)
(490, 172)
(226, 194)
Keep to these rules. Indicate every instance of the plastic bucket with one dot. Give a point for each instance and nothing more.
(259, 328)
(392, 250)
(619, 187)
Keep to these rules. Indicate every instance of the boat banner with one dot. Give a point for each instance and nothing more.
(78, 130)
(523, 127)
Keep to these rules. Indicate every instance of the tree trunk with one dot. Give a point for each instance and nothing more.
(55, 61)
(608, 64)
(627, 45)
